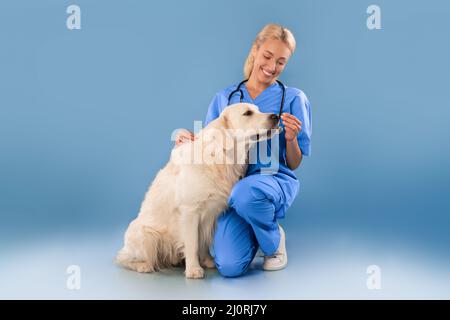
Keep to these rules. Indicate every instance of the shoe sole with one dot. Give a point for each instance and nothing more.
(275, 268)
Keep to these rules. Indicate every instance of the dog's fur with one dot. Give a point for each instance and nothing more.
(177, 217)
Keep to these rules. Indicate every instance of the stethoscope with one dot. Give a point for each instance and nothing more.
(238, 89)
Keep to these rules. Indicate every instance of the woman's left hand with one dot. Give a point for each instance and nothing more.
(292, 126)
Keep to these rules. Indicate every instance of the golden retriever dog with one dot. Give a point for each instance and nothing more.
(177, 218)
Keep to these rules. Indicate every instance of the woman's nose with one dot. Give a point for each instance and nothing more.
(271, 65)
(271, 68)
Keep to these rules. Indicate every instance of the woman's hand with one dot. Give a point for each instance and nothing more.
(183, 136)
(292, 126)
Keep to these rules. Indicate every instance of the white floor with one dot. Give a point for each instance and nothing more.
(332, 267)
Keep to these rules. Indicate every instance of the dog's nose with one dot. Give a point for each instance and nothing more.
(274, 117)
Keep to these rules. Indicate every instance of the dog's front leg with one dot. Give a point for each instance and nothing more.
(189, 225)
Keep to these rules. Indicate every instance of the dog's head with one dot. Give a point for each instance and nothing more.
(245, 120)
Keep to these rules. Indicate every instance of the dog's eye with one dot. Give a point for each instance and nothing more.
(247, 113)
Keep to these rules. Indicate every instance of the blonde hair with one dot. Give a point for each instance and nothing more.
(270, 31)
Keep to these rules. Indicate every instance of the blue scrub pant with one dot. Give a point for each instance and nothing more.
(255, 204)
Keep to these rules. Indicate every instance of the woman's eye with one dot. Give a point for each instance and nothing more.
(247, 113)
(266, 57)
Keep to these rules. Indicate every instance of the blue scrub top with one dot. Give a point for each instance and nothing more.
(268, 101)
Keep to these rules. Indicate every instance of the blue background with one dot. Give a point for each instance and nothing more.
(86, 117)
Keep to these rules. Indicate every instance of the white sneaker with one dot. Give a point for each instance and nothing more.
(278, 260)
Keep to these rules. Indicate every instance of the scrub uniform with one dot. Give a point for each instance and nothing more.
(258, 200)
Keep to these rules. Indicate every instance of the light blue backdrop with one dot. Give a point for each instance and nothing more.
(86, 115)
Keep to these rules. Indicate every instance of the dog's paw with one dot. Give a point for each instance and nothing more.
(143, 267)
(195, 272)
(208, 262)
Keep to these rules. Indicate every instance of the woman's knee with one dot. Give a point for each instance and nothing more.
(233, 257)
(230, 268)
(234, 245)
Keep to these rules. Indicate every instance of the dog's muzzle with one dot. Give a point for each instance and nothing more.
(269, 133)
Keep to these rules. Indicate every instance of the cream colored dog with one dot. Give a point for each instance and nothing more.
(177, 217)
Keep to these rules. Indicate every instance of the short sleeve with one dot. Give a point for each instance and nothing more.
(213, 110)
(301, 109)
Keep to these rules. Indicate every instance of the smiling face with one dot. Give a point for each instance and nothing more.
(270, 60)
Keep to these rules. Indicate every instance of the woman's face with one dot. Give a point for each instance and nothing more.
(270, 60)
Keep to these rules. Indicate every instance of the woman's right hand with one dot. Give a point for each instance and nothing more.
(183, 136)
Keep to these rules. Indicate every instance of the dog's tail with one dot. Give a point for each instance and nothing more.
(142, 249)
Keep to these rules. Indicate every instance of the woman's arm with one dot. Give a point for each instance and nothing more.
(292, 127)
(293, 154)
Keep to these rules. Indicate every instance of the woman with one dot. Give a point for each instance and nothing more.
(257, 201)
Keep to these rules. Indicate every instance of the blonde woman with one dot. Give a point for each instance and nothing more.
(258, 200)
